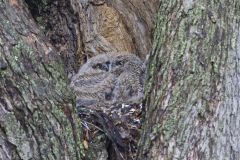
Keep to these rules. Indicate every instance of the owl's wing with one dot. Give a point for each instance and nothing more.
(88, 80)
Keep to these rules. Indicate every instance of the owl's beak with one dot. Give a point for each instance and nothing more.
(108, 66)
(105, 67)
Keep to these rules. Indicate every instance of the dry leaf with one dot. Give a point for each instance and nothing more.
(85, 144)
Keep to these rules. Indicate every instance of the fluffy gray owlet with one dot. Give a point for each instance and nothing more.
(108, 79)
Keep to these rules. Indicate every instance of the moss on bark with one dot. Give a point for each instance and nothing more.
(189, 70)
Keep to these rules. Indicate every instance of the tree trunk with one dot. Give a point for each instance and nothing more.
(114, 26)
(37, 117)
(193, 86)
(42, 42)
(80, 29)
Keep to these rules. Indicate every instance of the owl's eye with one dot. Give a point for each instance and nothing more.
(97, 66)
(119, 63)
(100, 66)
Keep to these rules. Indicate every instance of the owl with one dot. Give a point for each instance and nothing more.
(109, 91)
(108, 79)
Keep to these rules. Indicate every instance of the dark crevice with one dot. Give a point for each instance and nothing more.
(56, 20)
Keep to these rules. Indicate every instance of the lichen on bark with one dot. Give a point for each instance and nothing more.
(37, 117)
(189, 87)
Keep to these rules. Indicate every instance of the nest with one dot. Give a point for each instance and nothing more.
(112, 133)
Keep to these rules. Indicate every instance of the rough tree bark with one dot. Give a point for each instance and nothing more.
(37, 118)
(115, 26)
(193, 87)
(80, 29)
